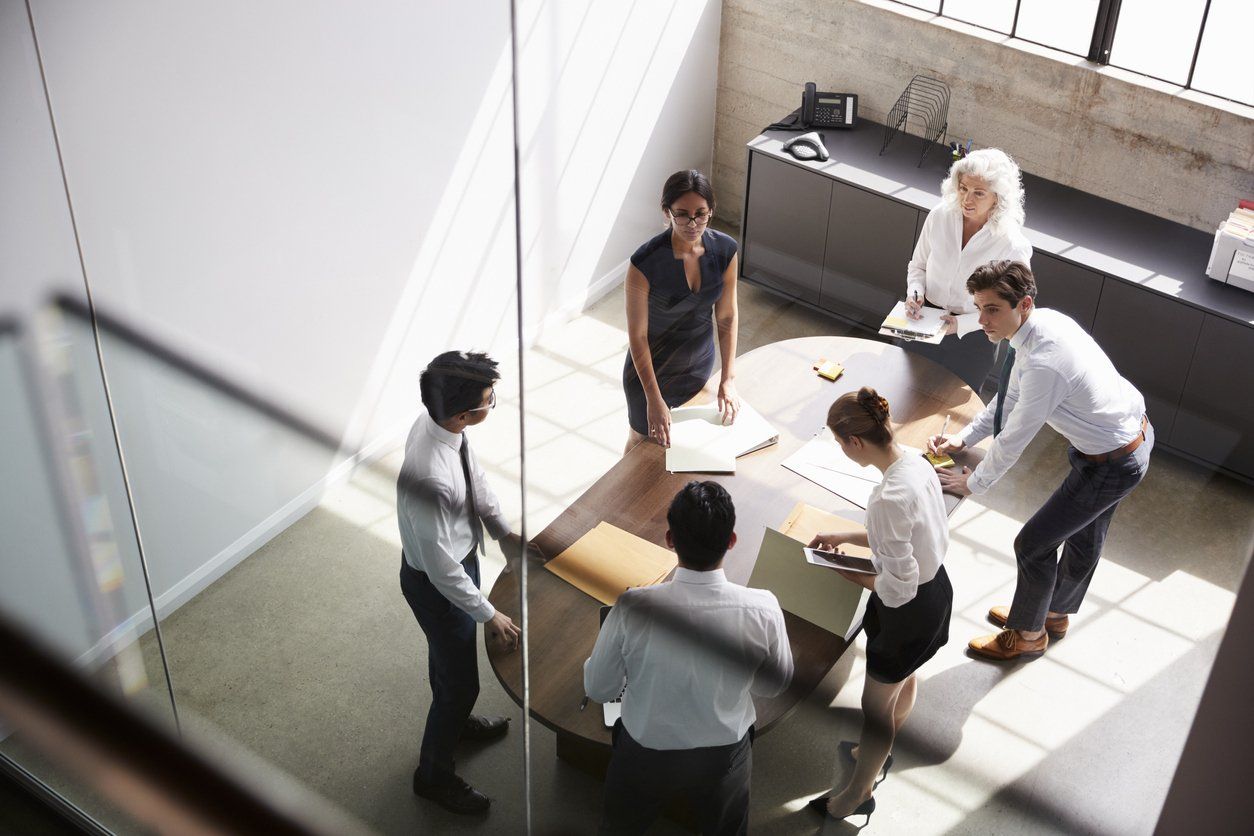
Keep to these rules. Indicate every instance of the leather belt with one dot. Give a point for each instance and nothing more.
(1125, 450)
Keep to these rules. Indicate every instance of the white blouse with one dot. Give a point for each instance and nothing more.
(940, 266)
(907, 528)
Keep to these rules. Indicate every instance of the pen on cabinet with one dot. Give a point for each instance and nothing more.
(583, 703)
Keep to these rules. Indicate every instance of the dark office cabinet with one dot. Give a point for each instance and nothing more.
(1150, 339)
(918, 226)
(1214, 418)
(1065, 287)
(785, 227)
(869, 242)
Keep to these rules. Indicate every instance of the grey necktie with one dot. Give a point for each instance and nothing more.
(476, 525)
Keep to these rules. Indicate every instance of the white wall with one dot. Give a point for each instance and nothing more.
(313, 198)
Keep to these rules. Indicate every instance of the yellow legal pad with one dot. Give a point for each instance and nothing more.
(607, 561)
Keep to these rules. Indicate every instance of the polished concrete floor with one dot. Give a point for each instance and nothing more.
(307, 655)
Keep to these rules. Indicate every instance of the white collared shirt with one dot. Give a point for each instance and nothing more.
(939, 269)
(693, 652)
(1060, 377)
(907, 528)
(433, 511)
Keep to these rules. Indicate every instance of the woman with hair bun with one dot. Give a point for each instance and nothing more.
(979, 219)
(674, 282)
(907, 616)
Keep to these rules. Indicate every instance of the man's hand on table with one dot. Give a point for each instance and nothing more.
(502, 629)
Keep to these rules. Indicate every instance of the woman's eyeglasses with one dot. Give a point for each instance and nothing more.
(684, 219)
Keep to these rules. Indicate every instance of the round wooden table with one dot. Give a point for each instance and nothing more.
(778, 380)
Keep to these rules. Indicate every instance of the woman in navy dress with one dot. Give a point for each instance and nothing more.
(678, 285)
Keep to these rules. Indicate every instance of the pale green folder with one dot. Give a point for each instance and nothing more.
(814, 593)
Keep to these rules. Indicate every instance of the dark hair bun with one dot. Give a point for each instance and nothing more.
(876, 406)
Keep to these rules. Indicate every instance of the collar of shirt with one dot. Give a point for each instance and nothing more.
(1025, 332)
(442, 435)
(713, 576)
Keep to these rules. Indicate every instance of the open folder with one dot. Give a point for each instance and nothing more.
(815, 593)
(927, 329)
(702, 443)
(607, 561)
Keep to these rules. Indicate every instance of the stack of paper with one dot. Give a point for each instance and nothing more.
(701, 442)
(929, 329)
(818, 595)
(607, 561)
(823, 462)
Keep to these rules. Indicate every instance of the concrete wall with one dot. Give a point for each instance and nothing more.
(1058, 116)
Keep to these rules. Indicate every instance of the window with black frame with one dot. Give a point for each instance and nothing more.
(1191, 43)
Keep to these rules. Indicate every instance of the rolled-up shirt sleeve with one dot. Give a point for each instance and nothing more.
(775, 673)
(605, 671)
(430, 508)
(889, 524)
(1030, 399)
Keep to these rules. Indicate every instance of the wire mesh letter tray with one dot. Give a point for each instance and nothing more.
(924, 102)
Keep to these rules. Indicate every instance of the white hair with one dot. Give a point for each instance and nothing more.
(995, 167)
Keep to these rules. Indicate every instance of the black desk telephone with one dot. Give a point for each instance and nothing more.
(821, 110)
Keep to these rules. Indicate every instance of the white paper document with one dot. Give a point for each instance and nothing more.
(822, 462)
(702, 443)
(929, 329)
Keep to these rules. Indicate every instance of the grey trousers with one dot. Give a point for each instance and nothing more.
(641, 781)
(1076, 517)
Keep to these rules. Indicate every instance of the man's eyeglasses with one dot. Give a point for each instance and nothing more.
(491, 403)
(684, 219)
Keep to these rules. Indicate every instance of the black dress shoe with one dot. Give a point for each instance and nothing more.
(454, 795)
(484, 728)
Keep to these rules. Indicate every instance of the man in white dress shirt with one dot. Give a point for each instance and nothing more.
(443, 503)
(1054, 374)
(693, 652)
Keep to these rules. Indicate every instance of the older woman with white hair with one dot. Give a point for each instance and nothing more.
(979, 219)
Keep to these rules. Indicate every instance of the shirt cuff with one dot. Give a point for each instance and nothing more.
(483, 613)
(497, 526)
(975, 482)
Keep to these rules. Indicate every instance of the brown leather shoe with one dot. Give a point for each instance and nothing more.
(1056, 627)
(1007, 645)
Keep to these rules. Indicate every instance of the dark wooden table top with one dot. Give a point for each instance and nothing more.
(779, 382)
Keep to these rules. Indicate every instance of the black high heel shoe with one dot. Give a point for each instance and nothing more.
(866, 808)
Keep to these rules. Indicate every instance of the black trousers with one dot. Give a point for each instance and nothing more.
(641, 781)
(452, 665)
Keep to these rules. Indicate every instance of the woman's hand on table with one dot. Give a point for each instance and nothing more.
(728, 401)
(659, 418)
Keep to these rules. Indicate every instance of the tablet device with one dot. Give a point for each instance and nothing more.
(837, 560)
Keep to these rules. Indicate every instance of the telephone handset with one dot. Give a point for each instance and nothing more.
(828, 110)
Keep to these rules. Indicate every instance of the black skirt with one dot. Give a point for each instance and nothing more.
(900, 639)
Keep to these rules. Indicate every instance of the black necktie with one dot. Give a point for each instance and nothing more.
(476, 525)
(1002, 385)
